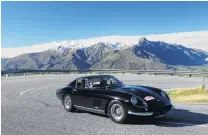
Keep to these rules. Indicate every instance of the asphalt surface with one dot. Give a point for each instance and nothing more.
(29, 107)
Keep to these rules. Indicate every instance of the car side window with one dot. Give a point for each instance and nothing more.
(97, 82)
(111, 81)
(81, 83)
(94, 82)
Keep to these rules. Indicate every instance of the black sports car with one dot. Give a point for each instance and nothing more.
(105, 94)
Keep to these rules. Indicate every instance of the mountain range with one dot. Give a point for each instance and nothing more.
(143, 55)
(194, 39)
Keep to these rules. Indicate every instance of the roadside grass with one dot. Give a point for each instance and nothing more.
(198, 95)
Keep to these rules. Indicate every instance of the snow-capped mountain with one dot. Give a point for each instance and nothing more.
(144, 55)
(196, 40)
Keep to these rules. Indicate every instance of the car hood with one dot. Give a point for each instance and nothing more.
(143, 91)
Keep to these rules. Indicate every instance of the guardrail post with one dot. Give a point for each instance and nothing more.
(6, 75)
(24, 74)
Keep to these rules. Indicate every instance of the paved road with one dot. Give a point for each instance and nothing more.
(30, 107)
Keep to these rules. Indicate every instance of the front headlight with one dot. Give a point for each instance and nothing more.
(138, 102)
(134, 100)
(165, 95)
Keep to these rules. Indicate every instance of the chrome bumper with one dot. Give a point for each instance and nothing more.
(140, 113)
(147, 113)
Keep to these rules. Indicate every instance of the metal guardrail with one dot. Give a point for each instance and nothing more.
(170, 72)
(83, 70)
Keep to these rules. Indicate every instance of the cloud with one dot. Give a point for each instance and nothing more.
(196, 39)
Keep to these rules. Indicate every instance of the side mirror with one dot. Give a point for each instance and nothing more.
(89, 86)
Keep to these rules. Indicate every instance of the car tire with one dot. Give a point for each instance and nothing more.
(117, 112)
(67, 103)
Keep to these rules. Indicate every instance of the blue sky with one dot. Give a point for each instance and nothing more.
(29, 23)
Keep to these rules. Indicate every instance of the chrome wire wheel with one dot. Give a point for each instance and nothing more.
(67, 102)
(117, 111)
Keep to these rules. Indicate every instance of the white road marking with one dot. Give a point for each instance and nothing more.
(185, 124)
(26, 91)
(32, 89)
(36, 89)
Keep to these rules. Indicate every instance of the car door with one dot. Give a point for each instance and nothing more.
(99, 95)
(99, 99)
(81, 94)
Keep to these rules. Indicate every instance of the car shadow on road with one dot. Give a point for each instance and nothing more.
(175, 118)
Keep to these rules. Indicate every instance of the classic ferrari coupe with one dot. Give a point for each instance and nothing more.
(105, 94)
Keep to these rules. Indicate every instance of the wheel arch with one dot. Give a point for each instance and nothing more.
(123, 101)
(62, 92)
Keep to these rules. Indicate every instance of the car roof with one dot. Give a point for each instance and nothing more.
(95, 76)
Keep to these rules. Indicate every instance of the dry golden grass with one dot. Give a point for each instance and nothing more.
(189, 95)
(192, 98)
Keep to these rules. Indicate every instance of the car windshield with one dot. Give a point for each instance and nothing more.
(112, 81)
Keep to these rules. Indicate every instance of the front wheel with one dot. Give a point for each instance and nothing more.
(67, 102)
(117, 112)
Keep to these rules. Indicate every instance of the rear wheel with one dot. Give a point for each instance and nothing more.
(117, 112)
(68, 104)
